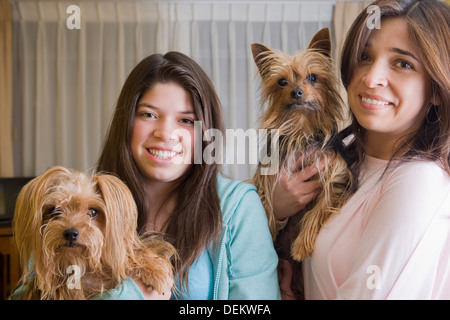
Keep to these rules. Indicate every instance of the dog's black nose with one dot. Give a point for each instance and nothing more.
(71, 234)
(297, 93)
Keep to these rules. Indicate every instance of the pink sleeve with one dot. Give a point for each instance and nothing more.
(400, 254)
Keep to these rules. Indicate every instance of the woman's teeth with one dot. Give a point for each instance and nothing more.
(163, 154)
(373, 101)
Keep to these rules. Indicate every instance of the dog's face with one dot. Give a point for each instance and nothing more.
(65, 218)
(300, 88)
(73, 219)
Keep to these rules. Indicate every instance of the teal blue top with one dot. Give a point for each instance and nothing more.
(127, 290)
(244, 259)
(200, 281)
(243, 263)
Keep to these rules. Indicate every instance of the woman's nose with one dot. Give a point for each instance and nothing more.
(376, 76)
(164, 131)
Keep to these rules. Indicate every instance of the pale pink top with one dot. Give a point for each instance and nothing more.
(390, 241)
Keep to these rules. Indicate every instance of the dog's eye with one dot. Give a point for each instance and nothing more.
(92, 213)
(311, 78)
(54, 212)
(282, 82)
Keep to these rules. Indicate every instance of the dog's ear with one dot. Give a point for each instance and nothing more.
(28, 212)
(26, 221)
(261, 55)
(259, 51)
(121, 223)
(322, 42)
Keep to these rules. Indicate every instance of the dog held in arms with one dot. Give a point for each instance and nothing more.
(302, 101)
(66, 218)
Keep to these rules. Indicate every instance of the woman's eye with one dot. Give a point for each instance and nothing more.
(364, 57)
(405, 65)
(92, 213)
(187, 121)
(147, 115)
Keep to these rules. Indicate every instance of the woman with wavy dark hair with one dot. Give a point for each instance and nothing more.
(152, 145)
(392, 238)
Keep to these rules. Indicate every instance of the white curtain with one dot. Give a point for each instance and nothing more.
(66, 81)
(345, 12)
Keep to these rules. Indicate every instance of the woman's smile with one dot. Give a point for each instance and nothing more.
(373, 102)
(162, 154)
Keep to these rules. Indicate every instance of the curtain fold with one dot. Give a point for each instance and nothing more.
(68, 80)
(345, 12)
(6, 63)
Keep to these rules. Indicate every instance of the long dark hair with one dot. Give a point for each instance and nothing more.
(196, 220)
(428, 24)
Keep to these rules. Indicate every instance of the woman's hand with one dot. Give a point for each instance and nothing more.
(294, 192)
(285, 279)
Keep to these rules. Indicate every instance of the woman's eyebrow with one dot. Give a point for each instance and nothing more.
(404, 52)
(144, 104)
(396, 50)
(187, 112)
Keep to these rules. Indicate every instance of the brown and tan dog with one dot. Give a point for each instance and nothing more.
(304, 107)
(66, 218)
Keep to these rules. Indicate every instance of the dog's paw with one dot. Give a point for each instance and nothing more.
(299, 250)
(156, 273)
(157, 258)
(152, 294)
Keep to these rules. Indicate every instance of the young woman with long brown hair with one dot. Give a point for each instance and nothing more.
(218, 225)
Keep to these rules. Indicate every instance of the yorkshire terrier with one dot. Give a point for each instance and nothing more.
(67, 219)
(304, 104)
